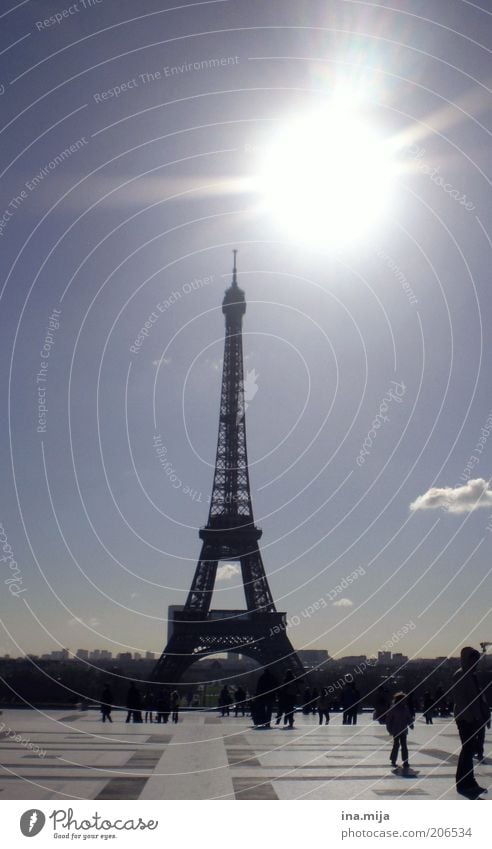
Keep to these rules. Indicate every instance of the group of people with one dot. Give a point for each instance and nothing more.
(282, 698)
(471, 713)
(163, 706)
(237, 701)
(469, 704)
(284, 701)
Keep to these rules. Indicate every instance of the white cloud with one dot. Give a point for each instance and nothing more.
(227, 571)
(343, 602)
(164, 361)
(460, 499)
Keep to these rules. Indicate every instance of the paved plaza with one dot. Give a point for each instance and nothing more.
(59, 755)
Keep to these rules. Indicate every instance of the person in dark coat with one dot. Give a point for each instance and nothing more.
(399, 719)
(225, 700)
(163, 706)
(106, 704)
(239, 701)
(287, 697)
(133, 703)
(350, 698)
(148, 701)
(428, 707)
(355, 707)
(471, 713)
(324, 706)
(175, 702)
(264, 701)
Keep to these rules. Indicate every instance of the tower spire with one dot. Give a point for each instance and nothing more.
(234, 268)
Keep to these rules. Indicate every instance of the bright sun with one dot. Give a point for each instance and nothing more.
(326, 178)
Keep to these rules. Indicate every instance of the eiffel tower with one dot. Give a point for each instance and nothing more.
(259, 632)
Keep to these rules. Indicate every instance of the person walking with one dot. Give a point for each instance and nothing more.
(398, 720)
(148, 701)
(287, 697)
(163, 706)
(106, 704)
(133, 703)
(239, 701)
(175, 702)
(428, 707)
(225, 701)
(264, 700)
(324, 706)
(472, 714)
(355, 706)
(350, 697)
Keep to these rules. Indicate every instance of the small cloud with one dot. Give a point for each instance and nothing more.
(250, 385)
(164, 361)
(460, 499)
(134, 595)
(227, 571)
(343, 602)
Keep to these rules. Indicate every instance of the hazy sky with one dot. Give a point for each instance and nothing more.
(369, 360)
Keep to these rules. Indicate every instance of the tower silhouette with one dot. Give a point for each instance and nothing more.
(230, 534)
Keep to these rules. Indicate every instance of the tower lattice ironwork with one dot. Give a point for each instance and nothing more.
(231, 535)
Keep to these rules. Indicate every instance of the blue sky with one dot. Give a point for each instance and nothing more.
(152, 201)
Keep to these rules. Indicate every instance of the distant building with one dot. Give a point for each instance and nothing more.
(399, 659)
(384, 657)
(124, 656)
(137, 656)
(82, 654)
(59, 655)
(105, 654)
(313, 658)
(353, 659)
(149, 655)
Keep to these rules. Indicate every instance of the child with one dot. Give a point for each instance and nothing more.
(398, 720)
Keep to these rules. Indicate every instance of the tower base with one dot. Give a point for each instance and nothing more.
(260, 636)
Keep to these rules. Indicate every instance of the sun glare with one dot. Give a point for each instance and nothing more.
(325, 178)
